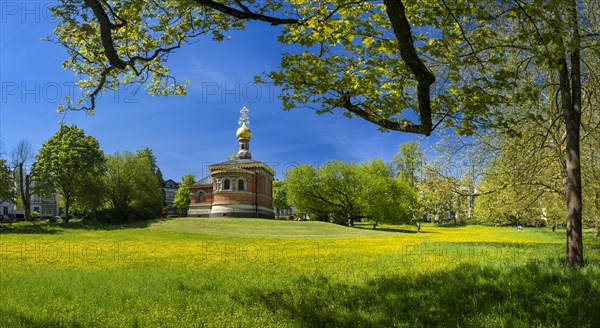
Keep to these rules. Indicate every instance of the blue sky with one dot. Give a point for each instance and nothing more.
(185, 133)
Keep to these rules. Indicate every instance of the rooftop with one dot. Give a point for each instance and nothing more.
(242, 163)
(204, 181)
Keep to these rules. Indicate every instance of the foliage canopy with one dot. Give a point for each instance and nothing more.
(182, 197)
(71, 164)
(342, 192)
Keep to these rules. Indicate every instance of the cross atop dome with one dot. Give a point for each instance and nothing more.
(238, 187)
(244, 119)
(244, 135)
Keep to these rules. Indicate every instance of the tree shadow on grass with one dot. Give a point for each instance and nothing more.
(30, 228)
(23, 320)
(56, 228)
(398, 230)
(532, 294)
(404, 230)
(86, 225)
(450, 225)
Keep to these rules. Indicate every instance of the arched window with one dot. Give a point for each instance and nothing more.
(226, 184)
(200, 196)
(240, 184)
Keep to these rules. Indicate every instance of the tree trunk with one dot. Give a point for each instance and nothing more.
(26, 198)
(24, 192)
(570, 89)
(597, 204)
(573, 195)
(67, 206)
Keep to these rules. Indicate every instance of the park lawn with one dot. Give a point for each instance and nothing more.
(253, 272)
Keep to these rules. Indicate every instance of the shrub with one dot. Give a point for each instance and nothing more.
(112, 215)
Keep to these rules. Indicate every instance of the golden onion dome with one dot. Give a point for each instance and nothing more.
(243, 132)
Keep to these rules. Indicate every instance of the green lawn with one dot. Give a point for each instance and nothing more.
(256, 273)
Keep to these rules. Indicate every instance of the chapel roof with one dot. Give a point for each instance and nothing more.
(203, 182)
(241, 164)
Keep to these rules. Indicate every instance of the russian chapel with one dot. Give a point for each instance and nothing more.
(241, 187)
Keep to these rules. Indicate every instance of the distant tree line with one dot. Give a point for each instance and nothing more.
(343, 192)
(490, 65)
(490, 178)
(118, 188)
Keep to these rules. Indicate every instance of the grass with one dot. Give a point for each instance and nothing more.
(251, 272)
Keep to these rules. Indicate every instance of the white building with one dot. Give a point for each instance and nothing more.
(46, 205)
(170, 187)
(6, 207)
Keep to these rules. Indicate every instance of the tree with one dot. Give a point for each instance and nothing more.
(524, 181)
(280, 196)
(379, 61)
(591, 175)
(132, 190)
(161, 181)
(592, 191)
(342, 192)
(408, 162)
(20, 156)
(590, 147)
(383, 198)
(182, 197)
(304, 190)
(149, 158)
(119, 43)
(120, 181)
(525, 177)
(328, 192)
(6, 182)
(437, 195)
(519, 55)
(149, 155)
(71, 164)
(450, 181)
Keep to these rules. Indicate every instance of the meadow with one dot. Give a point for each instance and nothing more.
(266, 273)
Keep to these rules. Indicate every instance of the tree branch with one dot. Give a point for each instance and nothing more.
(347, 104)
(245, 13)
(537, 30)
(462, 31)
(106, 28)
(424, 77)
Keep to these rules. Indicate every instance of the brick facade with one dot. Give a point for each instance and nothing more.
(238, 188)
(241, 187)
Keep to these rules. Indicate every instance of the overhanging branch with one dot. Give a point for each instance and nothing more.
(245, 13)
(406, 47)
(106, 27)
